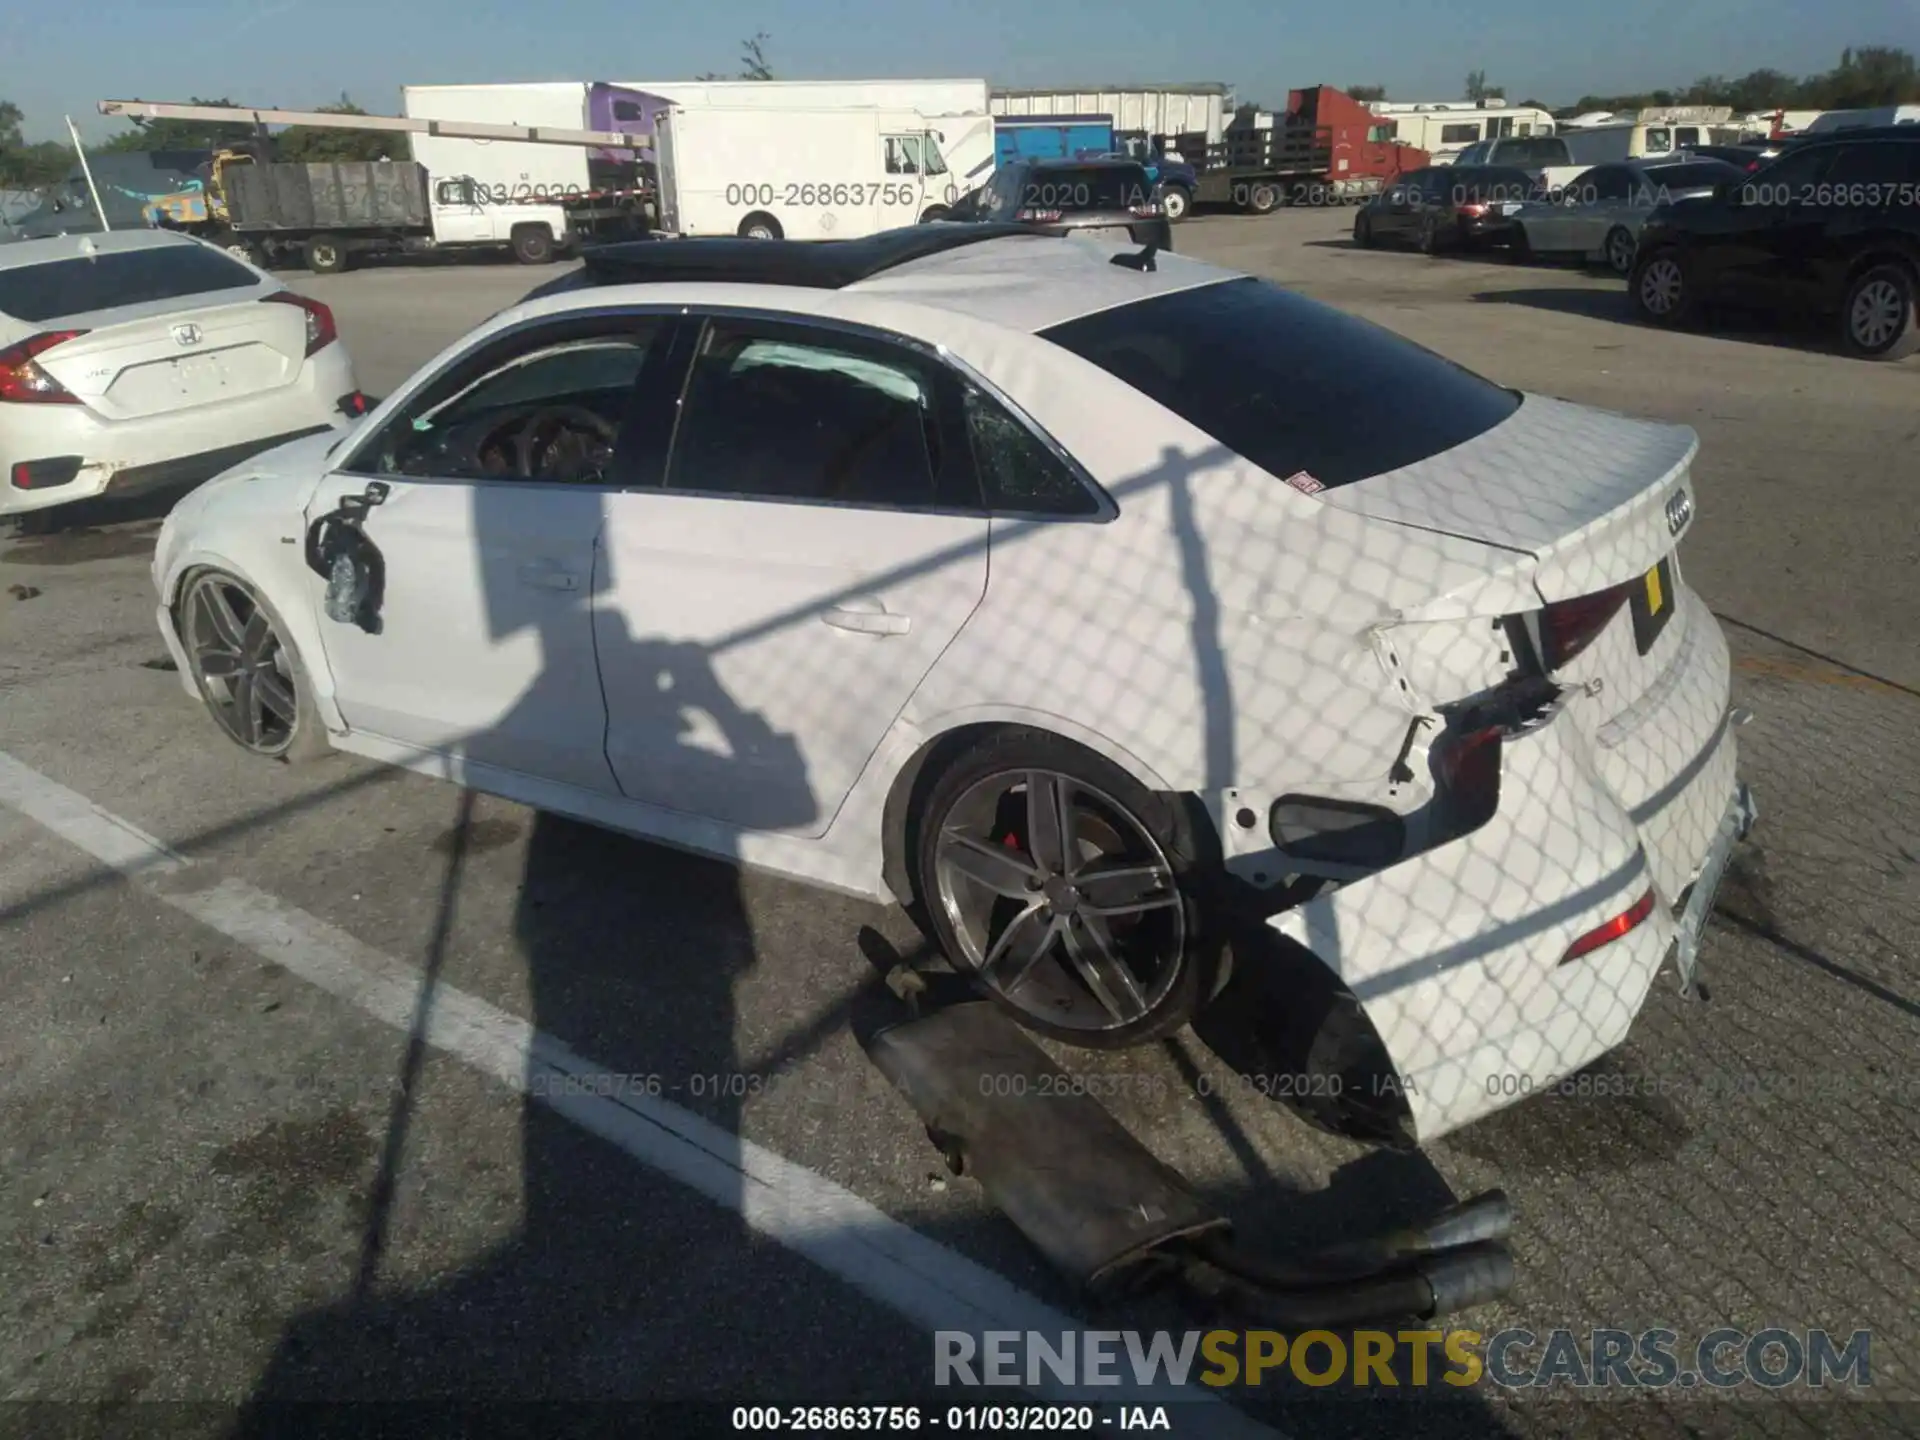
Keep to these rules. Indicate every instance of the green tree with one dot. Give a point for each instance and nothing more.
(1477, 89)
(305, 144)
(1367, 94)
(753, 60)
(24, 166)
(179, 134)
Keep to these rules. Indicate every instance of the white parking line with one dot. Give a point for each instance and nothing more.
(931, 1285)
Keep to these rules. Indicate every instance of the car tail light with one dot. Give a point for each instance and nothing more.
(1146, 211)
(320, 327)
(1474, 207)
(23, 382)
(1039, 215)
(1468, 768)
(1623, 923)
(1569, 626)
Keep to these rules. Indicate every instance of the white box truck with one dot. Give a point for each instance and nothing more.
(537, 198)
(775, 173)
(957, 110)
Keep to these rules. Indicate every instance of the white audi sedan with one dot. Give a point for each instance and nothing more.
(140, 359)
(1102, 607)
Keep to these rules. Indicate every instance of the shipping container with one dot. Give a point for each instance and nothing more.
(1152, 110)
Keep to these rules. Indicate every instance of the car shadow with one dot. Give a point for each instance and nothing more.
(1734, 326)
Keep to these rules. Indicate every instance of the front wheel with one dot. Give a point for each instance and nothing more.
(1429, 240)
(1070, 893)
(933, 214)
(1879, 314)
(1175, 203)
(326, 255)
(761, 226)
(1363, 231)
(532, 244)
(1619, 250)
(247, 671)
(1661, 290)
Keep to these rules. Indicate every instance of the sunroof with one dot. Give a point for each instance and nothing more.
(820, 264)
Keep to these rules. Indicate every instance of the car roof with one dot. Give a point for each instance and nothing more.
(19, 253)
(1013, 277)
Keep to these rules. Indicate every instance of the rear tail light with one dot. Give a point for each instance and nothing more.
(1622, 924)
(1474, 207)
(23, 382)
(1467, 766)
(320, 327)
(1569, 626)
(1039, 215)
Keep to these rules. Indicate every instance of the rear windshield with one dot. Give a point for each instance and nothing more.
(1093, 187)
(1535, 150)
(1490, 183)
(60, 288)
(1287, 382)
(1699, 175)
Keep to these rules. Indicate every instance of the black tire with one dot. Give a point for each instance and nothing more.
(1878, 319)
(1429, 236)
(761, 226)
(1618, 249)
(1263, 198)
(934, 214)
(1519, 247)
(305, 737)
(326, 254)
(1363, 231)
(240, 247)
(977, 796)
(532, 244)
(1177, 203)
(1660, 289)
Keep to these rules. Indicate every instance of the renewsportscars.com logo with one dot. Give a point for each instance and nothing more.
(1513, 1359)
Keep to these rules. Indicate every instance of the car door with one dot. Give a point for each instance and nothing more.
(1619, 193)
(1390, 215)
(458, 214)
(1853, 198)
(1779, 215)
(487, 486)
(816, 541)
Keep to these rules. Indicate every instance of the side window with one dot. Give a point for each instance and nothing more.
(1863, 165)
(785, 413)
(549, 408)
(1459, 134)
(1686, 137)
(903, 154)
(452, 192)
(1781, 183)
(1018, 471)
(1659, 140)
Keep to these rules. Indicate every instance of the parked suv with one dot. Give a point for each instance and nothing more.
(1829, 229)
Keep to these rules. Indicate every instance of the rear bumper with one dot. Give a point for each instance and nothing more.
(1456, 955)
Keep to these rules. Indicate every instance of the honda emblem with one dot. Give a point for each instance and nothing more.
(186, 334)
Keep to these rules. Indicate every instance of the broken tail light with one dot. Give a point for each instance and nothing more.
(1569, 626)
(1467, 765)
(1622, 924)
(321, 331)
(1039, 216)
(24, 382)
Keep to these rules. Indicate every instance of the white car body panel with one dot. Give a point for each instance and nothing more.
(163, 381)
(1213, 631)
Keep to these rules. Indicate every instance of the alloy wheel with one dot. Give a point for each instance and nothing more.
(1620, 252)
(240, 664)
(1061, 899)
(1877, 314)
(1660, 287)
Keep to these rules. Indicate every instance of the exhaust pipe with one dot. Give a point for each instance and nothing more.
(1114, 1219)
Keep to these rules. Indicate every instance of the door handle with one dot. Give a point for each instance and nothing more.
(868, 622)
(548, 578)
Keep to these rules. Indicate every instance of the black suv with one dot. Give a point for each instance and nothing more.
(1831, 228)
(1109, 197)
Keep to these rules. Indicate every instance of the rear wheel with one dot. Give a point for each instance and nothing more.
(247, 671)
(1176, 203)
(1363, 230)
(1263, 198)
(1618, 249)
(1878, 318)
(1070, 893)
(933, 214)
(532, 244)
(1661, 290)
(325, 255)
(1429, 237)
(1519, 247)
(761, 226)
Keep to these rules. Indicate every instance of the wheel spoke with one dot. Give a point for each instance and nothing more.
(1021, 946)
(1090, 946)
(1050, 821)
(1126, 889)
(275, 695)
(257, 637)
(220, 614)
(1000, 868)
(216, 663)
(246, 708)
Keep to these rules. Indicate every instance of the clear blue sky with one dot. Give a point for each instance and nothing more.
(60, 57)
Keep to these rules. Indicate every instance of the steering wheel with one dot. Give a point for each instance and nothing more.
(556, 442)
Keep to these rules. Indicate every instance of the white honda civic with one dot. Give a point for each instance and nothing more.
(1102, 607)
(140, 359)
